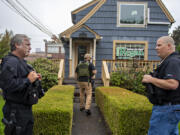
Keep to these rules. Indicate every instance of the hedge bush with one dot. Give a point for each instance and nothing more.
(53, 114)
(1, 115)
(130, 79)
(48, 70)
(125, 112)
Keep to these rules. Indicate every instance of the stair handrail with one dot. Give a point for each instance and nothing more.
(61, 72)
(105, 74)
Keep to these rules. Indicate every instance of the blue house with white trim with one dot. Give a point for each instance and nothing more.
(115, 29)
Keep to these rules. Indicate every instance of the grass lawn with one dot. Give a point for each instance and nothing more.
(1, 114)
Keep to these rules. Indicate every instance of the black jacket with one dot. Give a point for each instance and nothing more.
(14, 78)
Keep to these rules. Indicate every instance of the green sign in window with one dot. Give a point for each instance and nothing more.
(129, 53)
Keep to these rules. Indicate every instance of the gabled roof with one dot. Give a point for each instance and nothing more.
(90, 30)
(165, 10)
(84, 6)
(67, 33)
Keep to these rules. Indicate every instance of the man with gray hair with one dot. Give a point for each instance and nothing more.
(165, 90)
(16, 77)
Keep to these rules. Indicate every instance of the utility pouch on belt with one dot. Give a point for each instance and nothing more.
(11, 127)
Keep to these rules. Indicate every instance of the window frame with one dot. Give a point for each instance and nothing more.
(131, 3)
(115, 42)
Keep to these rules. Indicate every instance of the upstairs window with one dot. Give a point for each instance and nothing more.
(131, 14)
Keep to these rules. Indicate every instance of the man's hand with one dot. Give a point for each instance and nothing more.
(147, 79)
(39, 76)
(32, 76)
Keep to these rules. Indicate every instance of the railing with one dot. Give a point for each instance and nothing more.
(109, 66)
(56, 63)
(61, 72)
(105, 74)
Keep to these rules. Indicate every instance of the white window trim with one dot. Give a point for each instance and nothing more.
(149, 22)
(131, 25)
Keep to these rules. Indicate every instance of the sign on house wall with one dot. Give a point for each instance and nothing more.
(129, 52)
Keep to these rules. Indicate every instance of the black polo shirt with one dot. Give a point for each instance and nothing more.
(169, 69)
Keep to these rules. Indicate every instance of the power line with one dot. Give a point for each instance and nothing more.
(33, 17)
(27, 15)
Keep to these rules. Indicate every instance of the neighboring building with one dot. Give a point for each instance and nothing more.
(53, 50)
(34, 56)
(115, 29)
(38, 50)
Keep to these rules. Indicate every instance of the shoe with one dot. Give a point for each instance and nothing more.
(82, 109)
(88, 112)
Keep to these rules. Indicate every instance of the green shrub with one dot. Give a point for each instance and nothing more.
(1, 115)
(130, 80)
(48, 70)
(53, 114)
(125, 112)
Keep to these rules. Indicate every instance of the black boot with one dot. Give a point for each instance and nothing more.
(82, 109)
(88, 112)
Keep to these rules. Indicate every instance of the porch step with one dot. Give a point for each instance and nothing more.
(72, 81)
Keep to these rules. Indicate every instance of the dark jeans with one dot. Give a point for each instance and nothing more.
(23, 117)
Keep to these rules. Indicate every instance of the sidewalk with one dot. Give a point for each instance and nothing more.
(89, 125)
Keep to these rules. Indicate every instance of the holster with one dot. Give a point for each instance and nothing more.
(11, 127)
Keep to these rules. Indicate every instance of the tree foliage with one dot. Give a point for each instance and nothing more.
(176, 35)
(48, 70)
(5, 43)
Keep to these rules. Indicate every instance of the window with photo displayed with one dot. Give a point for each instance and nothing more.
(130, 51)
(131, 14)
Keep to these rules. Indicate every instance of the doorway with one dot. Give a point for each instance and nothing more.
(82, 50)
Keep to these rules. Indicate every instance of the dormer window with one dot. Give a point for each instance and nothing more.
(131, 14)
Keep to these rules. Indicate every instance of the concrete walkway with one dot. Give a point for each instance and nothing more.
(89, 125)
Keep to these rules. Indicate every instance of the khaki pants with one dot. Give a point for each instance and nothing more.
(85, 88)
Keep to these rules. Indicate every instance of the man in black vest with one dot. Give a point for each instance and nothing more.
(15, 80)
(165, 93)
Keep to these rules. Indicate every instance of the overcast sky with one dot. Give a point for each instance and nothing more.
(56, 15)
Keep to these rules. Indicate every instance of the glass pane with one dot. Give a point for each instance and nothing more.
(131, 14)
(82, 50)
(53, 49)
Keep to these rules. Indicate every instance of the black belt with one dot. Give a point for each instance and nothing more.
(18, 105)
(169, 103)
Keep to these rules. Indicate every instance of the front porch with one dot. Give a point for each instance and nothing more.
(110, 66)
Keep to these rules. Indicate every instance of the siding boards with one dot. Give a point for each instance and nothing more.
(82, 13)
(104, 22)
(83, 30)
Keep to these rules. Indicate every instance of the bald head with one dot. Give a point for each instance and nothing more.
(167, 40)
(165, 46)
